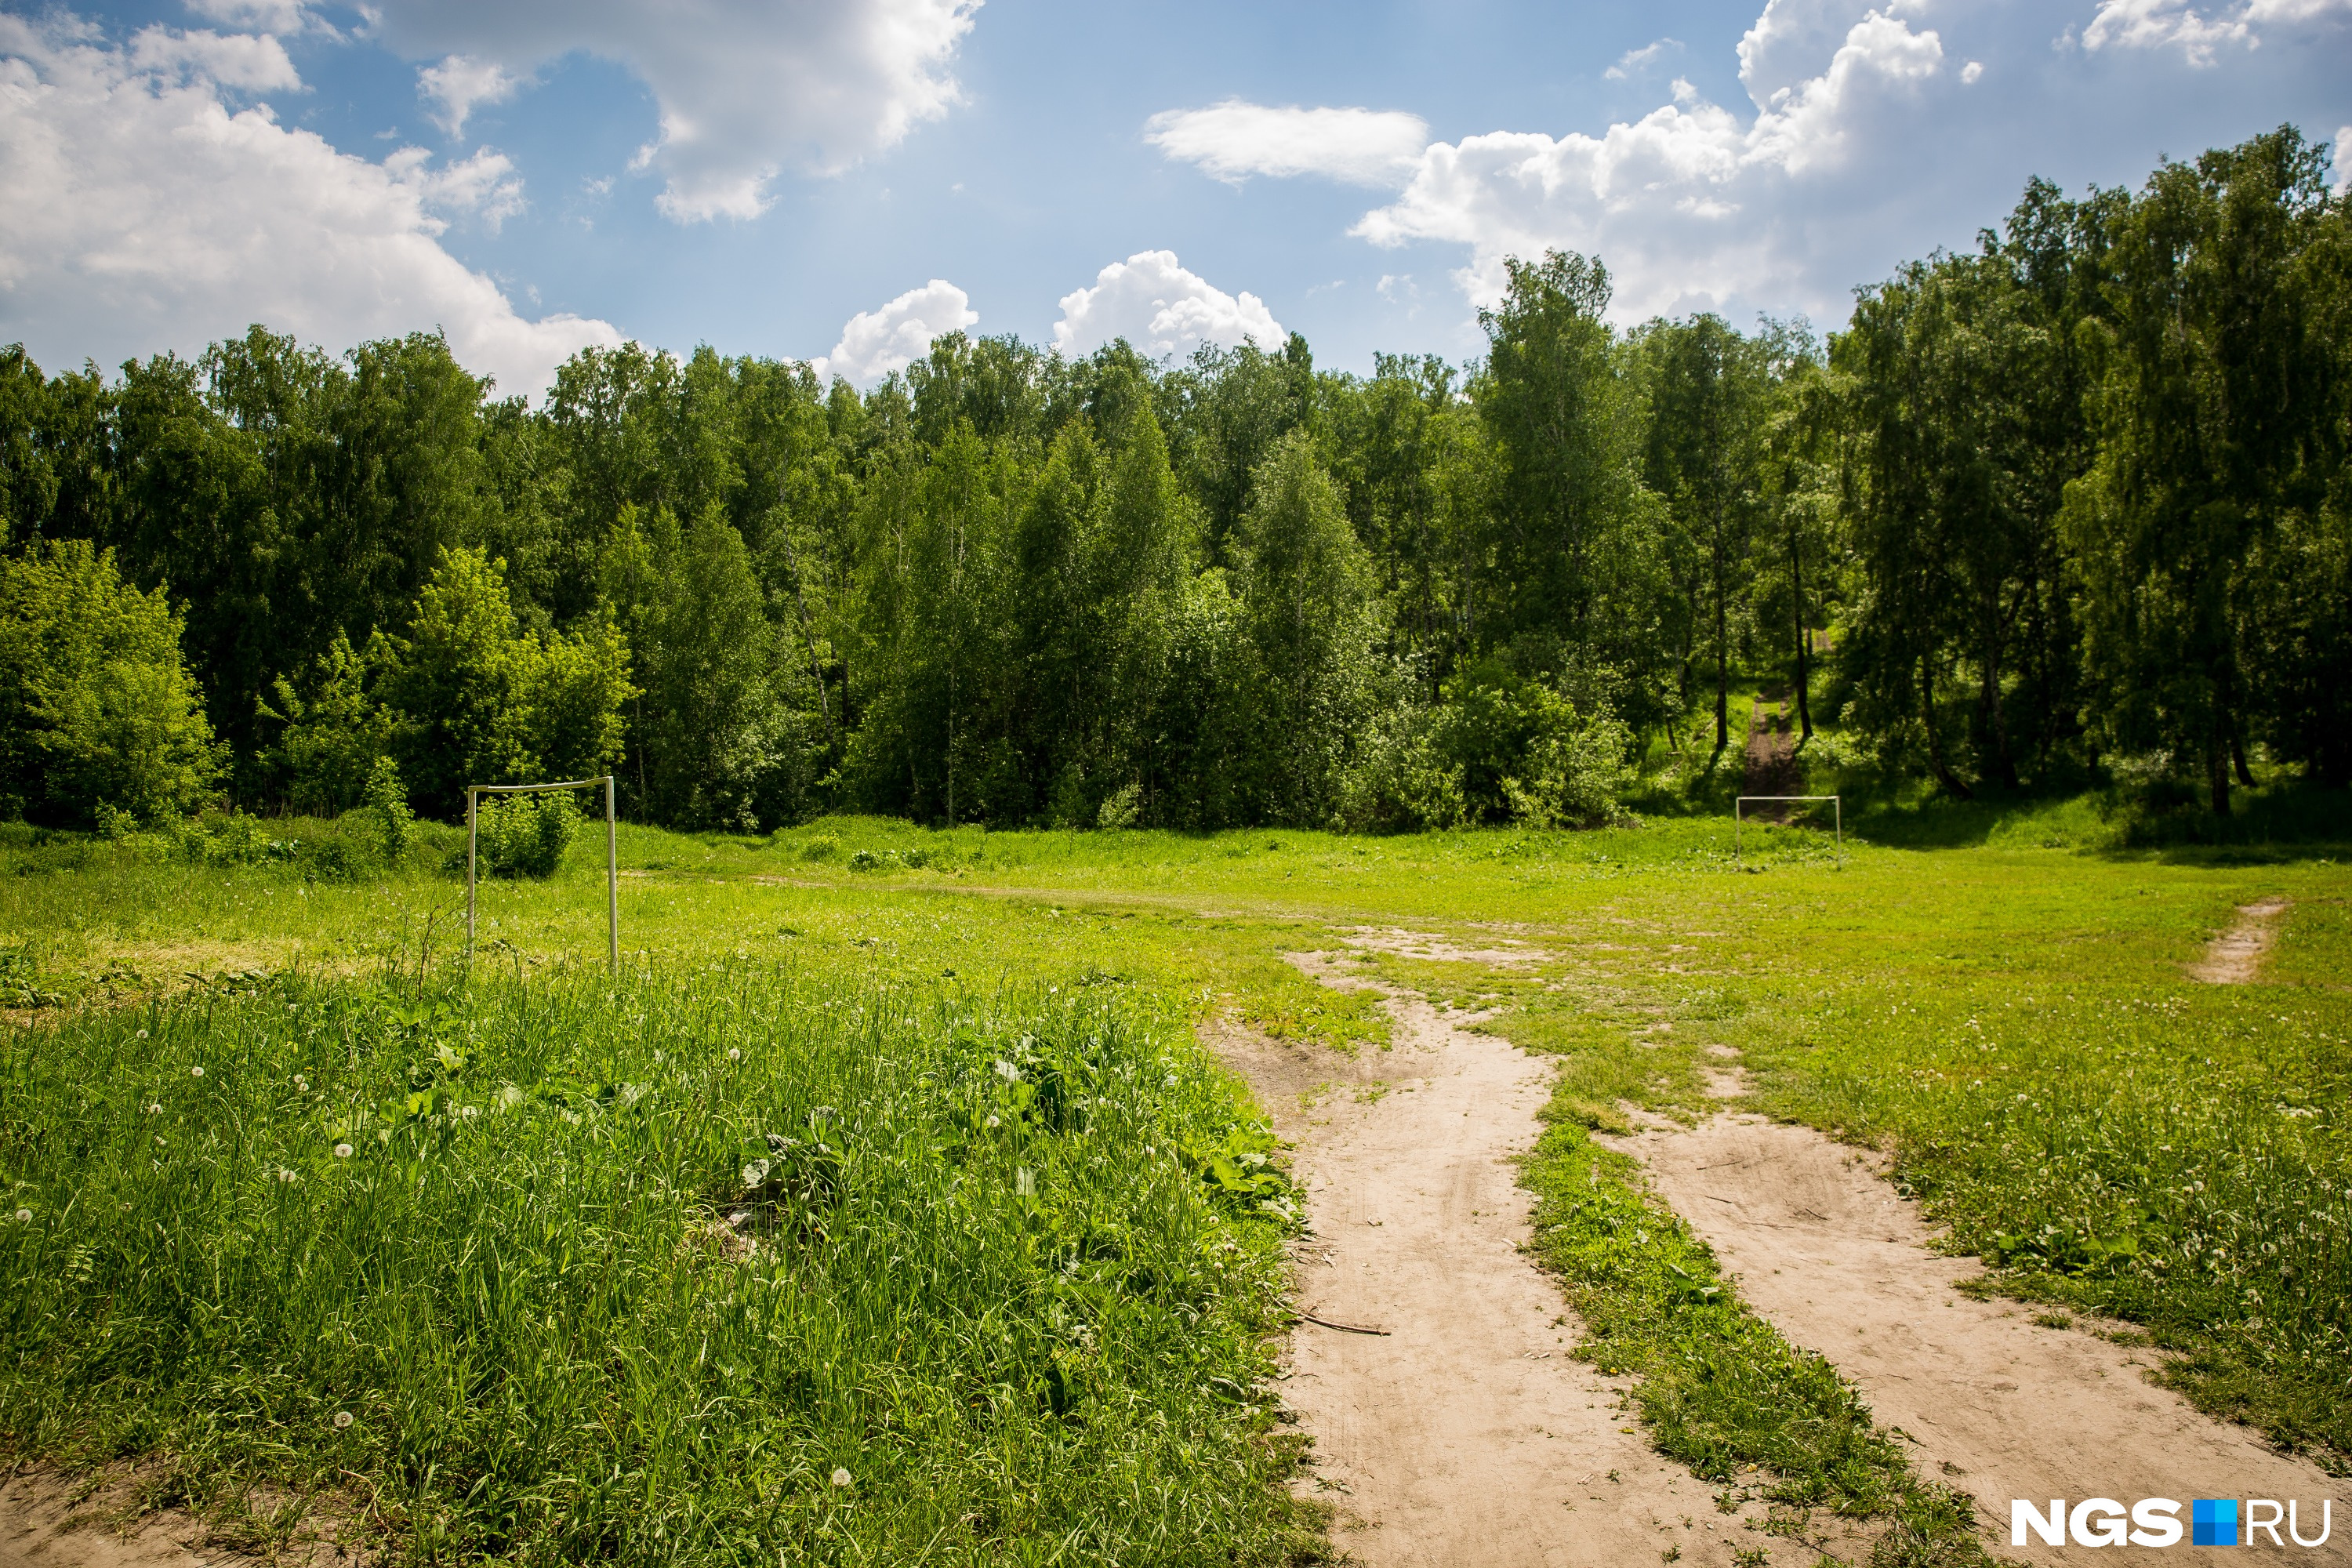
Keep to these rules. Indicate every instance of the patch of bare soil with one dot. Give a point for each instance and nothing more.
(49, 1519)
(1422, 945)
(1993, 1401)
(2235, 957)
(1462, 1432)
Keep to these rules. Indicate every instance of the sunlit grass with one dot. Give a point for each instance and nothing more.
(495, 1252)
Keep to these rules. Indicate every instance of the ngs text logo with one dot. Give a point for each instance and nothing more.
(2157, 1522)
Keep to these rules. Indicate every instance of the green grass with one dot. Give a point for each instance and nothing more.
(2178, 1148)
(981, 1277)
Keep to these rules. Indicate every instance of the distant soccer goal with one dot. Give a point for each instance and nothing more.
(612, 857)
(1739, 808)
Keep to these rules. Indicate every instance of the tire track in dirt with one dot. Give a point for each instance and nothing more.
(1466, 1435)
(1992, 1401)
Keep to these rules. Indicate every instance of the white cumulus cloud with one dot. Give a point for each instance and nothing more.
(1161, 309)
(146, 213)
(1683, 204)
(745, 87)
(1233, 140)
(1699, 205)
(458, 84)
(2177, 24)
(1633, 61)
(280, 17)
(893, 336)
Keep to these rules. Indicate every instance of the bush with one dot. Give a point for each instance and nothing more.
(1572, 775)
(237, 840)
(96, 708)
(1500, 748)
(388, 799)
(525, 836)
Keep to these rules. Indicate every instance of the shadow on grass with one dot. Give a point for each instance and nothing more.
(2273, 823)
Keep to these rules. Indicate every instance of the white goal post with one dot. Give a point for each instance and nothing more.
(612, 857)
(1838, 811)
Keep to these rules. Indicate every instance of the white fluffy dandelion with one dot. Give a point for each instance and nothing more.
(143, 1034)
(991, 1122)
(342, 1151)
(734, 1053)
(195, 1072)
(155, 1111)
(840, 1478)
(23, 1216)
(343, 1419)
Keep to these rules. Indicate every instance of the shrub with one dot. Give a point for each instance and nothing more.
(388, 799)
(96, 708)
(525, 836)
(1122, 808)
(1572, 774)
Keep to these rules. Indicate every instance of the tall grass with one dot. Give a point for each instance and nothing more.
(711, 1268)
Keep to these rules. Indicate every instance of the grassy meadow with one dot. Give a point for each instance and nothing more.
(891, 1159)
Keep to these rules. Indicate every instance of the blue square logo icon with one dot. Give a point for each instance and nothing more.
(2213, 1521)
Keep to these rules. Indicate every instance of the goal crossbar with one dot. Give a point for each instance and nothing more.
(1738, 808)
(612, 855)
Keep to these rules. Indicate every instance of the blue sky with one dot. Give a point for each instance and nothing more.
(813, 179)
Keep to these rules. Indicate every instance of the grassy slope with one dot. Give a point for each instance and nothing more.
(2012, 1019)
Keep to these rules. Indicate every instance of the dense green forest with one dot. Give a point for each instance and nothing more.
(2071, 507)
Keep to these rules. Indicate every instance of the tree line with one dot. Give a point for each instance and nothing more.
(2072, 505)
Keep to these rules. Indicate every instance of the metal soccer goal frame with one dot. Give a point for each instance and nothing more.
(1837, 815)
(612, 857)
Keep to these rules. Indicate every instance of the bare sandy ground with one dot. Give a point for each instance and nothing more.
(51, 1521)
(1463, 1433)
(2235, 957)
(1422, 945)
(1992, 1401)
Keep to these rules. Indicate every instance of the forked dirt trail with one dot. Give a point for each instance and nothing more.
(1463, 1436)
(2235, 957)
(1992, 1401)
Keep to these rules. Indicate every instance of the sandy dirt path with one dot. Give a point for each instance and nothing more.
(2235, 957)
(1466, 1435)
(1992, 1401)
(52, 1520)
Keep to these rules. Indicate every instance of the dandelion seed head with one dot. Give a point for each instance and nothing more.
(155, 1111)
(143, 1034)
(343, 1419)
(991, 1121)
(840, 1478)
(23, 1216)
(195, 1072)
(342, 1151)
